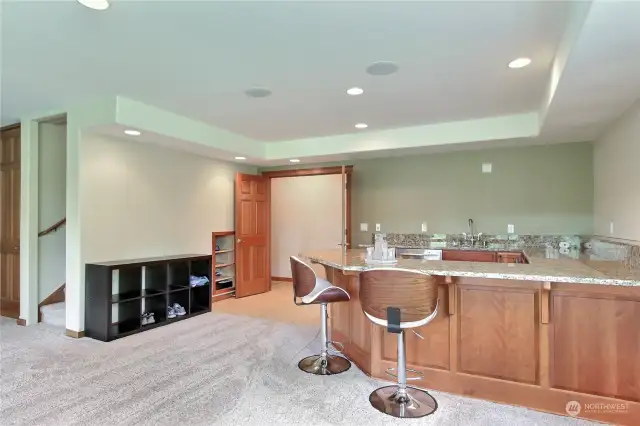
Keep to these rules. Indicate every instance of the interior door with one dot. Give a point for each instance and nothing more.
(253, 211)
(10, 222)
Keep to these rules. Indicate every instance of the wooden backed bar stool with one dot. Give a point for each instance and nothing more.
(312, 290)
(400, 299)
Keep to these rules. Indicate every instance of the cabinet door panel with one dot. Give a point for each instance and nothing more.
(596, 346)
(360, 325)
(469, 256)
(498, 333)
(433, 350)
(340, 313)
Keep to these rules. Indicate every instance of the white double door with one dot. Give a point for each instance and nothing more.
(306, 215)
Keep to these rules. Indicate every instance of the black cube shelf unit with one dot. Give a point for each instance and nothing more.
(117, 293)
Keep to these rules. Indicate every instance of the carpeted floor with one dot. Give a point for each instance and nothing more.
(213, 369)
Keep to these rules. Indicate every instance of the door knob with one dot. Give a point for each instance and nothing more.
(239, 240)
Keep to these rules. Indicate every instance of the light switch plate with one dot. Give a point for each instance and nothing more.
(511, 229)
(424, 227)
(377, 227)
(611, 227)
(487, 167)
(364, 227)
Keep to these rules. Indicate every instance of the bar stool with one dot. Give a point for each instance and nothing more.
(400, 299)
(312, 290)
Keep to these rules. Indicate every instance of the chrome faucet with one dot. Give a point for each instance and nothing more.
(471, 233)
(471, 230)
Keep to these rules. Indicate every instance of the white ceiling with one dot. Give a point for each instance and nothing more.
(602, 76)
(197, 58)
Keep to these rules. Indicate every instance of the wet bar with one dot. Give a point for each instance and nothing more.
(540, 334)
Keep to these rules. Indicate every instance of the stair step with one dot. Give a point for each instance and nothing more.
(54, 314)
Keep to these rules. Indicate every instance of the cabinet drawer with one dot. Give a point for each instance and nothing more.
(469, 256)
(510, 257)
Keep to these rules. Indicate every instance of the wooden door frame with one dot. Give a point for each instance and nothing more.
(316, 171)
(13, 127)
(10, 127)
(29, 170)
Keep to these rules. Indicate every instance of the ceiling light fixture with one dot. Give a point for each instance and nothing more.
(294, 160)
(355, 91)
(361, 126)
(382, 68)
(95, 4)
(258, 92)
(519, 63)
(132, 132)
(241, 158)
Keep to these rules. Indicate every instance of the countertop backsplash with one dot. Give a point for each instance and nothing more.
(452, 240)
(627, 253)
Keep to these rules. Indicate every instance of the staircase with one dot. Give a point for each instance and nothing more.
(52, 308)
(54, 314)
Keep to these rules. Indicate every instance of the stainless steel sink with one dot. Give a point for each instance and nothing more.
(417, 253)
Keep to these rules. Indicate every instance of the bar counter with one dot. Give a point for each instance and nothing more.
(539, 335)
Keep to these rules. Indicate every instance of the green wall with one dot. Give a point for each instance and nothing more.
(539, 189)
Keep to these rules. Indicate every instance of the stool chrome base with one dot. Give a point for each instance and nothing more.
(416, 402)
(326, 366)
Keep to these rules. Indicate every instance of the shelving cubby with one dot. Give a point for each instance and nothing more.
(117, 293)
(224, 276)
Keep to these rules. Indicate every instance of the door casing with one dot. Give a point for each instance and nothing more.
(10, 156)
(300, 172)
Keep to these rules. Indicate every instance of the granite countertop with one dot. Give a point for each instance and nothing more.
(447, 245)
(544, 265)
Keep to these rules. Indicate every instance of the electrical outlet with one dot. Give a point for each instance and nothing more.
(377, 227)
(487, 167)
(424, 226)
(364, 227)
(611, 227)
(511, 229)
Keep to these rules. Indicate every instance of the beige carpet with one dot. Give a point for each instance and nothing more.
(214, 369)
(275, 305)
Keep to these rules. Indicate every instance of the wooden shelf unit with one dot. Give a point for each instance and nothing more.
(117, 293)
(223, 249)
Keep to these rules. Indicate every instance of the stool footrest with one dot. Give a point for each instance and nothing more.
(419, 376)
(333, 344)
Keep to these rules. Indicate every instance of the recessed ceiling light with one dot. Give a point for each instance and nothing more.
(294, 160)
(519, 63)
(258, 92)
(241, 158)
(361, 126)
(355, 91)
(132, 132)
(382, 68)
(95, 4)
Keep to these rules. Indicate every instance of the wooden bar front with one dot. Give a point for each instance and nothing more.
(535, 344)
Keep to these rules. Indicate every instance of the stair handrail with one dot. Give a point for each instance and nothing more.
(53, 228)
